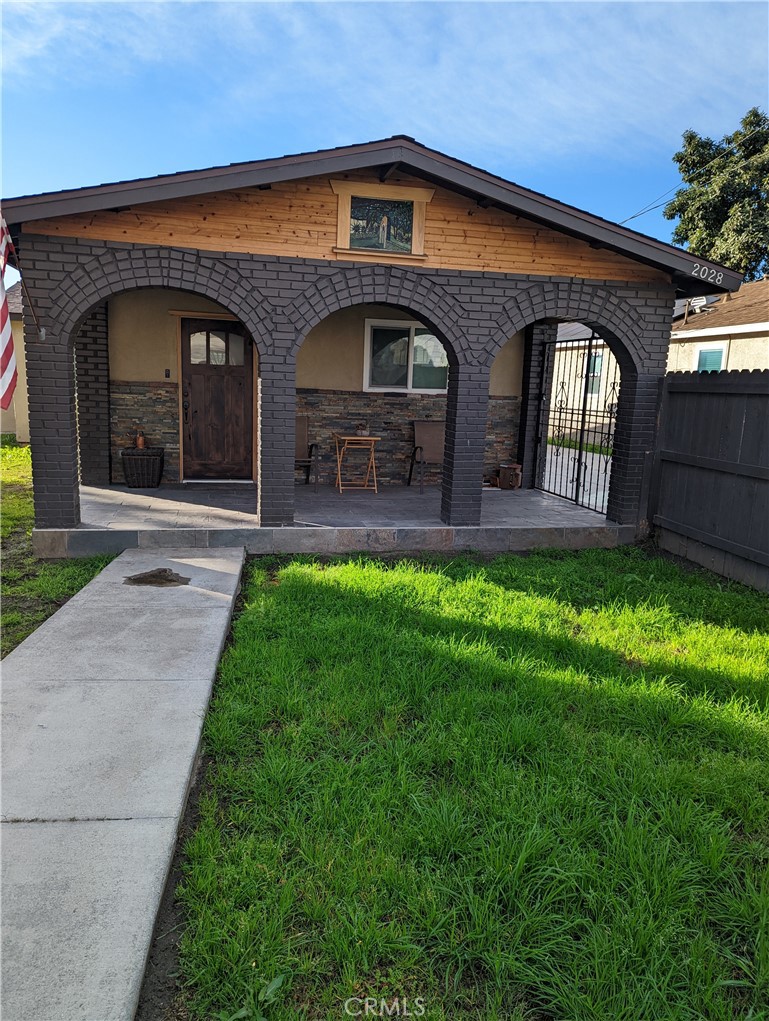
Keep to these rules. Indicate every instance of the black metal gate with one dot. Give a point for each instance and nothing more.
(577, 418)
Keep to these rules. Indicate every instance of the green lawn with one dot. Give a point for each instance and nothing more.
(530, 788)
(32, 589)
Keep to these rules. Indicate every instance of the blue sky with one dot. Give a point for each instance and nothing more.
(583, 101)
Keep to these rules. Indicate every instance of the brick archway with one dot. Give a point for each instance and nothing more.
(536, 311)
(421, 296)
(615, 319)
(414, 293)
(80, 301)
(116, 271)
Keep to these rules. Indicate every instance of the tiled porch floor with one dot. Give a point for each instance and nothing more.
(233, 506)
(395, 519)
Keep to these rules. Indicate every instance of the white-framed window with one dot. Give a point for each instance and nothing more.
(710, 356)
(403, 356)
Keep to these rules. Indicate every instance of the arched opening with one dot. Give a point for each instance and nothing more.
(176, 366)
(374, 369)
(583, 434)
(618, 326)
(504, 412)
(578, 416)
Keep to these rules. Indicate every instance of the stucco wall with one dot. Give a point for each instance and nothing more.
(743, 351)
(16, 418)
(331, 357)
(567, 385)
(143, 338)
(507, 369)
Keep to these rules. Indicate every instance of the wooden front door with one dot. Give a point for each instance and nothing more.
(217, 396)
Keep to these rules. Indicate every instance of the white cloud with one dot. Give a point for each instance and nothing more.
(505, 83)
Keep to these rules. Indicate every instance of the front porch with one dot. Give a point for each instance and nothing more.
(396, 519)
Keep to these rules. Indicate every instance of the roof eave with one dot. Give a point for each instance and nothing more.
(599, 234)
(199, 182)
(508, 196)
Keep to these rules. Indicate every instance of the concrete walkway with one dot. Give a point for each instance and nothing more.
(102, 713)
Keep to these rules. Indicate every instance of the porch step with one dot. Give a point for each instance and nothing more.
(102, 713)
(81, 542)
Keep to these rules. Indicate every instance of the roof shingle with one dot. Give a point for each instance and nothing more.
(750, 304)
(14, 299)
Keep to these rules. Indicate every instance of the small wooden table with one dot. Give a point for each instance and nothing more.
(366, 443)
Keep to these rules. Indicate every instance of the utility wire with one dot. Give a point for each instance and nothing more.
(649, 208)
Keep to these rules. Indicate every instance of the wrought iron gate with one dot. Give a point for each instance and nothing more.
(577, 419)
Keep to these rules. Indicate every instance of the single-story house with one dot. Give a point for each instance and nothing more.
(15, 419)
(729, 332)
(367, 286)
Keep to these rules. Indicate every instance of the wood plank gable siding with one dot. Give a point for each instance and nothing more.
(298, 219)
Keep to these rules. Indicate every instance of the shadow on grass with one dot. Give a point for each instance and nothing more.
(610, 613)
(629, 576)
(456, 773)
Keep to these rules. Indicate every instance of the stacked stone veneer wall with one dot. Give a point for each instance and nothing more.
(151, 407)
(502, 427)
(391, 416)
(280, 299)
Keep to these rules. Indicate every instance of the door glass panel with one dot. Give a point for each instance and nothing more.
(431, 366)
(236, 349)
(389, 357)
(198, 348)
(218, 349)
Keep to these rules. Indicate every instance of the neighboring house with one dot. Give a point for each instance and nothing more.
(730, 332)
(376, 283)
(15, 420)
(585, 369)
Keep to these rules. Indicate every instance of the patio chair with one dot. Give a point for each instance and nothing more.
(305, 453)
(428, 448)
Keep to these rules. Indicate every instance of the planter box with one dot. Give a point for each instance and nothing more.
(143, 469)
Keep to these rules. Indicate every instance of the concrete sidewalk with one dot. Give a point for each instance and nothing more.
(102, 712)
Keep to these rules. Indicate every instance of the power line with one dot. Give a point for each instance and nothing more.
(649, 208)
(659, 205)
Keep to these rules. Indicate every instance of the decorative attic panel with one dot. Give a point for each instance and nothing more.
(302, 219)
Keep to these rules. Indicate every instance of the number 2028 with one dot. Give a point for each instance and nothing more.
(711, 275)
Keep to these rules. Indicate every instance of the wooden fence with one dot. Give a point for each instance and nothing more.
(709, 497)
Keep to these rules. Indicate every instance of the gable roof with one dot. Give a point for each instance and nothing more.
(746, 307)
(385, 154)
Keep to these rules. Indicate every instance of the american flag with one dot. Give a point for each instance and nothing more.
(8, 374)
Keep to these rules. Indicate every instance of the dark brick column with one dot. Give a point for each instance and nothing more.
(52, 426)
(276, 409)
(92, 372)
(633, 447)
(466, 409)
(535, 391)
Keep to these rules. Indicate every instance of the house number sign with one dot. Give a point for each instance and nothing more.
(706, 273)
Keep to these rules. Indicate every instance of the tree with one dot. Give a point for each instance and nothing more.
(723, 212)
